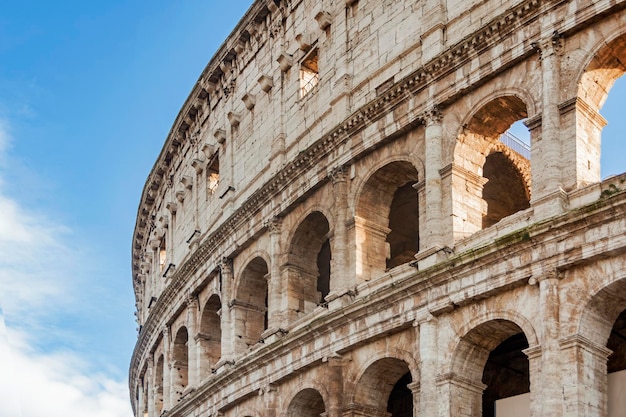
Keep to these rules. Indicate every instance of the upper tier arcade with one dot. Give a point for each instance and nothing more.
(336, 182)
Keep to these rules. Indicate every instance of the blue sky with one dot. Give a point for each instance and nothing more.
(88, 93)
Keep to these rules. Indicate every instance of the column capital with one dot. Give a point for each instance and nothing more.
(431, 116)
(274, 225)
(338, 174)
(552, 46)
(225, 264)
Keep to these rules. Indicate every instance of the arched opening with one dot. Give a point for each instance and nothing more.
(250, 305)
(592, 139)
(505, 192)
(210, 335)
(180, 363)
(158, 386)
(308, 265)
(506, 375)
(496, 371)
(403, 238)
(494, 178)
(307, 403)
(387, 220)
(603, 324)
(384, 389)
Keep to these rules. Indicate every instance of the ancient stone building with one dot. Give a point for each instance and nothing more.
(334, 226)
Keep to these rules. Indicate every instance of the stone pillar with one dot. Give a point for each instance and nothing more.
(342, 278)
(428, 397)
(150, 388)
(551, 382)
(193, 348)
(274, 287)
(270, 400)
(465, 190)
(167, 370)
(228, 331)
(459, 396)
(534, 355)
(335, 386)
(582, 126)
(584, 378)
(416, 392)
(431, 227)
(546, 149)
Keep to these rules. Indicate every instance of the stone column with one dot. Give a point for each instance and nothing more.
(270, 400)
(428, 396)
(167, 370)
(341, 277)
(584, 378)
(431, 227)
(150, 389)
(193, 350)
(546, 150)
(551, 390)
(335, 386)
(274, 286)
(228, 331)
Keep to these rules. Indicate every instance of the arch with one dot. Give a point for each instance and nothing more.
(494, 180)
(210, 335)
(387, 219)
(382, 388)
(604, 64)
(306, 403)
(308, 264)
(489, 359)
(250, 305)
(180, 362)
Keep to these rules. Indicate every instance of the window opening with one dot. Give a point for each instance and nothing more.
(323, 267)
(162, 254)
(213, 173)
(309, 73)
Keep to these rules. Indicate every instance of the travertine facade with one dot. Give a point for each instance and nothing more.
(334, 227)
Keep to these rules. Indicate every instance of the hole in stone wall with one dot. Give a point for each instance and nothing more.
(506, 372)
(400, 402)
(505, 192)
(403, 221)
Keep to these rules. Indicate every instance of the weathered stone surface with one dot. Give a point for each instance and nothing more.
(334, 228)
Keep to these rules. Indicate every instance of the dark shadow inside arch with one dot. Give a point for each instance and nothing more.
(307, 403)
(505, 191)
(400, 403)
(180, 364)
(384, 388)
(403, 237)
(251, 305)
(506, 372)
(210, 335)
(387, 219)
(308, 263)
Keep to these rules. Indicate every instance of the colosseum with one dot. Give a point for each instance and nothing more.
(339, 224)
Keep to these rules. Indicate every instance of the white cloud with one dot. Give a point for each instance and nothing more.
(39, 276)
(57, 384)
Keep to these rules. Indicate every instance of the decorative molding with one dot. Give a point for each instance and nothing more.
(234, 118)
(324, 19)
(266, 83)
(249, 101)
(285, 61)
(220, 135)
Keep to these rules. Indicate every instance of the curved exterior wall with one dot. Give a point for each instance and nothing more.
(333, 225)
